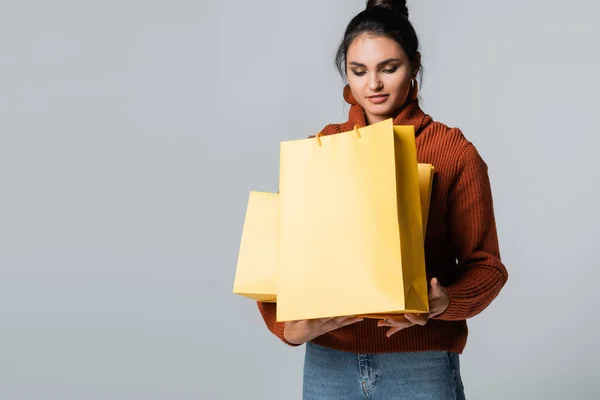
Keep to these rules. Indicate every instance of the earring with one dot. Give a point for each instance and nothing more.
(348, 96)
(414, 90)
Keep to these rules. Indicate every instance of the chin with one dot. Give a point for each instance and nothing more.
(381, 111)
(386, 110)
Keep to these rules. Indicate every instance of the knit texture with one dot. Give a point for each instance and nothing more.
(461, 243)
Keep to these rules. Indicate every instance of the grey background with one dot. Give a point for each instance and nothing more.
(132, 131)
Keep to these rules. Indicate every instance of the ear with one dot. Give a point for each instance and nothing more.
(416, 65)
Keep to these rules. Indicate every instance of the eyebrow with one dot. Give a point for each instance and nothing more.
(389, 60)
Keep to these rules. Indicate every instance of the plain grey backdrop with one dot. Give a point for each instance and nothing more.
(132, 131)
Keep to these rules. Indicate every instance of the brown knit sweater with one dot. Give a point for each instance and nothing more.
(461, 244)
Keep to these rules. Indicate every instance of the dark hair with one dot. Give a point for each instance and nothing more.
(381, 18)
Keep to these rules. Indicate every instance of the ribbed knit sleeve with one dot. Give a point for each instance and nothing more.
(269, 314)
(474, 238)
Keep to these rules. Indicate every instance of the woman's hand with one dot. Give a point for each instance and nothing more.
(299, 332)
(438, 303)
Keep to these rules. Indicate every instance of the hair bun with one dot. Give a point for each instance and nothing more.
(394, 5)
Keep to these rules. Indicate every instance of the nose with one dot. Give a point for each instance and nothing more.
(374, 82)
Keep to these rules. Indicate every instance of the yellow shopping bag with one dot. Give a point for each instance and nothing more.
(425, 185)
(256, 272)
(350, 225)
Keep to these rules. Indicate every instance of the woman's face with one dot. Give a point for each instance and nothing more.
(379, 74)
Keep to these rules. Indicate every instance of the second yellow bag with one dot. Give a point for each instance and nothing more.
(350, 225)
(256, 272)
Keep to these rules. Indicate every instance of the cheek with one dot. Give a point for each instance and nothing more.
(398, 84)
(355, 83)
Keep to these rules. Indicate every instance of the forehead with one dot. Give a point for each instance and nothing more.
(369, 49)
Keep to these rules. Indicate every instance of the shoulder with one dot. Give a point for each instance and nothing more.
(450, 150)
(448, 137)
(451, 141)
(463, 156)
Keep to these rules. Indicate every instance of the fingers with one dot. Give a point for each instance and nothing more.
(435, 308)
(323, 321)
(406, 321)
(395, 321)
(394, 330)
(439, 298)
(417, 319)
(397, 324)
(312, 323)
(436, 288)
(351, 321)
(392, 322)
(339, 322)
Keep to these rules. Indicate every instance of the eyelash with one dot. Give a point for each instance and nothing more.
(387, 71)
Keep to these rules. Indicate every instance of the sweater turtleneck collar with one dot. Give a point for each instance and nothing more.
(409, 114)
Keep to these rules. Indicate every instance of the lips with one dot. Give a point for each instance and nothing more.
(378, 98)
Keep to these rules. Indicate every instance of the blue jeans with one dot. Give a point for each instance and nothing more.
(333, 375)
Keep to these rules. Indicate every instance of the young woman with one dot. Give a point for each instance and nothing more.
(413, 356)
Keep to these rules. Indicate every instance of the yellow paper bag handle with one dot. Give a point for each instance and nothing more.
(318, 135)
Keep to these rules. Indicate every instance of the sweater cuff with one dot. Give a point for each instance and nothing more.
(472, 294)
